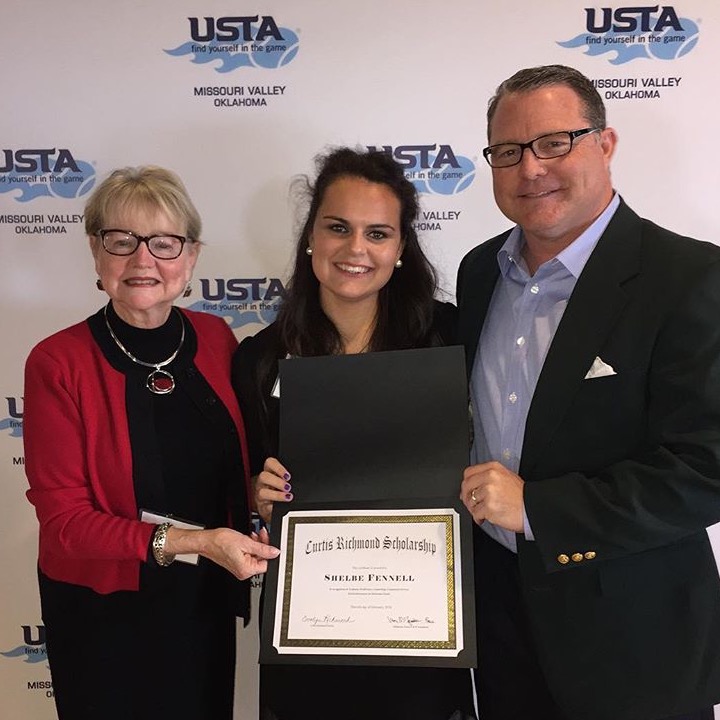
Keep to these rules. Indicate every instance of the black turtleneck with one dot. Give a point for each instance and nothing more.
(185, 450)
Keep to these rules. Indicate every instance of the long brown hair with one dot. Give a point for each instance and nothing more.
(405, 303)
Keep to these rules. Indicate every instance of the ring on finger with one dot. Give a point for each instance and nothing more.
(472, 496)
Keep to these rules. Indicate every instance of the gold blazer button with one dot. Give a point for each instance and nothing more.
(590, 555)
(577, 557)
(563, 559)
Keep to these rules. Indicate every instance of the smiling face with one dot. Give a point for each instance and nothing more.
(554, 200)
(142, 287)
(356, 241)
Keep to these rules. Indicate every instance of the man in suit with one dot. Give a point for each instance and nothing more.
(593, 340)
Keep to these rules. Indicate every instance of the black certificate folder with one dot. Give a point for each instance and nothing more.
(377, 548)
(375, 426)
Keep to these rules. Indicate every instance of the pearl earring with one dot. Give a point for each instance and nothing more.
(398, 263)
(308, 250)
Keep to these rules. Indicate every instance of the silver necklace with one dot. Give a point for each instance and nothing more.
(159, 381)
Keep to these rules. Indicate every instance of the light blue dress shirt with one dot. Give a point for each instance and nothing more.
(522, 318)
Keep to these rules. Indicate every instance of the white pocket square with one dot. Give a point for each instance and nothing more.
(598, 369)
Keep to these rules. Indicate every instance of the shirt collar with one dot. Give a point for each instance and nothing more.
(573, 257)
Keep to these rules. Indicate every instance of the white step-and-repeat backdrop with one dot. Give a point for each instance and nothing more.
(237, 98)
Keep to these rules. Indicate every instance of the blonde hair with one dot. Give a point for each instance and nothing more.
(147, 186)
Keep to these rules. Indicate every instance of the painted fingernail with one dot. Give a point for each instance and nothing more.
(288, 487)
(288, 496)
(286, 476)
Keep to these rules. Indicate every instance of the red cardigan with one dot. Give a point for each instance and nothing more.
(78, 457)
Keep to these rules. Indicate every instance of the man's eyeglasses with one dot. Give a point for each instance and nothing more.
(544, 147)
(125, 242)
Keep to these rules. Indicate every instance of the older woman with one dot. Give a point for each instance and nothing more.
(361, 283)
(131, 423)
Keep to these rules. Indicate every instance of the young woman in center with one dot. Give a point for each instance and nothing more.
(361, 283)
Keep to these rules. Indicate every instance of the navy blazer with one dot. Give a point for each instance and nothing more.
(623, 475)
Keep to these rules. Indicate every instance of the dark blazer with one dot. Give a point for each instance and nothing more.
(623, 475)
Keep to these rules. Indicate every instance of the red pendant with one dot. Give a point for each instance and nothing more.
(160, 382)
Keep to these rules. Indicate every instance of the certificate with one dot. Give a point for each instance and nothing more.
(370, 582)
(376, 563)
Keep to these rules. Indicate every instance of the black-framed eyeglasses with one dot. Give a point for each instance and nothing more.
(126, 242)
(544, 147)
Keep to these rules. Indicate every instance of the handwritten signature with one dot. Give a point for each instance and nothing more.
(327, 619)
(409, 620)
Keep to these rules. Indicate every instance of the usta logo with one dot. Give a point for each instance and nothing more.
(36, 159)
(629, 19)
(647, 32)
(265, 289)
(231, 29)
(241, 301)
(433, 169)
(13, 408)
(33, 648)
(13, 422)
(418, 156)
(247, 41)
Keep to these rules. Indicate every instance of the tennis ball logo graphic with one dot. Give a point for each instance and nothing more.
(452, 180)
(277, 53)
(72, 184)
(673, 44)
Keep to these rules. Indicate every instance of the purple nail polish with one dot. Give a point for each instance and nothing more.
(288, 496)
(286, 476)
(287, 487)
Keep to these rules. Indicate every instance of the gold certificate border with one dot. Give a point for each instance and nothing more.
(445, 519)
